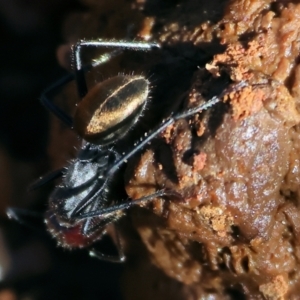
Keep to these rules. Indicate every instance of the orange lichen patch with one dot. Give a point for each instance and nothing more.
(275, 289)
(279, 30)
(238, 60)
(218, 220)
(199, 161)
(245, 102)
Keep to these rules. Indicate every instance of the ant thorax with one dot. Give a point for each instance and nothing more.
(83, 189)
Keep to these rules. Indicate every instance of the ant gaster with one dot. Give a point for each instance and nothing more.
(79, 208)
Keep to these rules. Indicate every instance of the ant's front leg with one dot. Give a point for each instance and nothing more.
(125, 205)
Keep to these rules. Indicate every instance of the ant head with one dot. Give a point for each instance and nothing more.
(111, 108)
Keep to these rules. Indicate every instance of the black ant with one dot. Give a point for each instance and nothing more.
(79, 207)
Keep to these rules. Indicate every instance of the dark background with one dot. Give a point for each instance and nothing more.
(31, 265)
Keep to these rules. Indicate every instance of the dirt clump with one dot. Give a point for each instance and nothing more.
(235, 233)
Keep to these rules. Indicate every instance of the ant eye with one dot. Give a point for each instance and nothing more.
(110, 108)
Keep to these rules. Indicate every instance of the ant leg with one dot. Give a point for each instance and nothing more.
(45, 179)
(170, 121)
(115, 259)
(128, 204)
(138, 46)
(15, 214)
(52, 90)
(121, 45)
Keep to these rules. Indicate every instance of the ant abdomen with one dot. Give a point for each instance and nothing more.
(111, 108)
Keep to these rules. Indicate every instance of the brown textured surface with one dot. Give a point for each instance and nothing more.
(236, 233)
(239, 207)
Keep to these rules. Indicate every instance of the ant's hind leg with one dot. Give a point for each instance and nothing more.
(80, 70)
(48, 94)
(111, 258)
(120, 45)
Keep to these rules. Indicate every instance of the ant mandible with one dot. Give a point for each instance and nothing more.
(79, 207)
